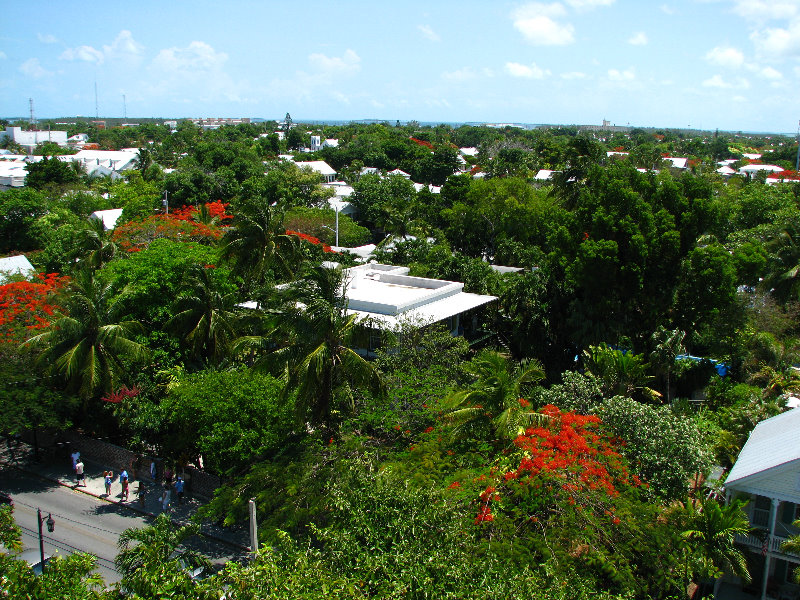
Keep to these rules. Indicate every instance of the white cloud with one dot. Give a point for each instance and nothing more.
(465, 74)
(573, 75)
(487, 72)
(537, 23)
(33, 68)
(123, 48)
(638, 39)
(429, 33)
(725, 57)
(778, 42)
(719, 83)
(196, 57)
(764, 10)
(348, 64)
(588, 4)
(84, 53)
(532, 71)
(616, 75)
(667, 9)
(47, 38)
(770, 73)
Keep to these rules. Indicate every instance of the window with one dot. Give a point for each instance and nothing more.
(761, 511)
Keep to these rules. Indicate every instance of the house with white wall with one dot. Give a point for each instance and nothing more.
(767, 473)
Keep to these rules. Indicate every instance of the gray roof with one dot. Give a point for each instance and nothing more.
(774, 442)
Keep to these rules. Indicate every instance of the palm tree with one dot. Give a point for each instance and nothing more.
(257, 241)
(96, 244)
(783, 279)
(205, 318)
(620, 372)
(711, 540)
(87, 345)
(314, 351)
(151, 555)
(792, 546)
(497, 397)
(668, 345)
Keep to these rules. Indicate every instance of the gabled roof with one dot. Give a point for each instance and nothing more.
(320, 166)
(774, 442)
(108, 217)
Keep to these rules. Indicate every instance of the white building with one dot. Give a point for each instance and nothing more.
(316, 143)
(15, 265)
(767, 472)
(30, 139)
(101, 163)
(12, 170)
(108, 217)
(321, 167)
(387, 298)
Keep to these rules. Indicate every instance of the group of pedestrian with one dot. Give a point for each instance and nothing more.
(166, 493)
(179, 484)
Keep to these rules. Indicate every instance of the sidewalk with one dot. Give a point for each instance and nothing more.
(59, 470)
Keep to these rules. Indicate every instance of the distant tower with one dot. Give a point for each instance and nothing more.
(96, 109)
(124, 109)
(33, 118)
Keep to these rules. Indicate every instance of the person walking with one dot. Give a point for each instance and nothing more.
(165, 496)
(153, 470)
(123, 479)
(179, 489)
(79, 476)
(76, 456)
(108, 477)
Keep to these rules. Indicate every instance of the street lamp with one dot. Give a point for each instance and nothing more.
(51, 527)
(337, 223)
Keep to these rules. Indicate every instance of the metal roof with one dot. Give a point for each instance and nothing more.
(774, 442)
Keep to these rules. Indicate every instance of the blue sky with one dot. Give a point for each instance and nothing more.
(727, 64)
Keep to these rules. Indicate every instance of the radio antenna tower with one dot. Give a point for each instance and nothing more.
(96, 109)
(33, 118)
(124, 109)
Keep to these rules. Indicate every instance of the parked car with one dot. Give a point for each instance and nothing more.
(34, 559)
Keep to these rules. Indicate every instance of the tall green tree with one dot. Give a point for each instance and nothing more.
(711, 540)
(315, 355)
(89, 345)
(204, 315)
(256, 242)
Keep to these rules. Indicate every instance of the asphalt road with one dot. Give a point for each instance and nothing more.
(83, 523)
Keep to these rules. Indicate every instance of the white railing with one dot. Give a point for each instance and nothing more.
(753, 541)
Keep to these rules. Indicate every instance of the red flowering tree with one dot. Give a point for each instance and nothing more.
(565, 492)
(28, 305)
(310, 239)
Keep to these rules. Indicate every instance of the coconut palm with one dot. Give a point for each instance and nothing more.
(257, 242)
(497, 397)
(783, 278)
(97, 244)
(711, 540)
(151, 556)
(87, 345)
(205, 316)
(792, 546)
(311, 346)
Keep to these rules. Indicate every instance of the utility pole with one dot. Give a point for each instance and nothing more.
(51, 526)
(253, 525)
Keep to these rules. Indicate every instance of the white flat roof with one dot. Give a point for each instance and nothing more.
(387, 296)
(429, 313)
(108, 217)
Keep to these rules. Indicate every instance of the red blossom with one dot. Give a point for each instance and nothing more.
(122, 393)
(524, 403)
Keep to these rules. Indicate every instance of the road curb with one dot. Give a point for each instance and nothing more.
(135, 509)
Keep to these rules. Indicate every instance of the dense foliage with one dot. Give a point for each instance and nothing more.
(553, 454)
